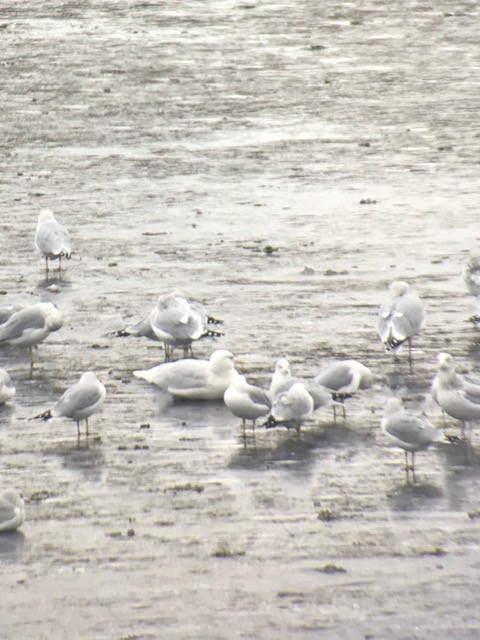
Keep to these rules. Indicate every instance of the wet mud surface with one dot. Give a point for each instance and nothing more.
(282, 162)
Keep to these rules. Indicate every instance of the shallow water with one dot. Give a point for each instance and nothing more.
(177, 142)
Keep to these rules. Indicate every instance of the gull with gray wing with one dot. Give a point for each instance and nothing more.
(247, 401)
(79, 401)
(408, 431)
(52, 239)
(31, 325)
(401, 318)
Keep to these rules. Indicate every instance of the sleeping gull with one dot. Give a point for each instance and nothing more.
(7, 390)
(31, 325)
(471, 277)
(400, 318)
(191, 379)
(343, 379)
(455, 395)
(12, 510)
(144, 327)
(291, 408)
(79, 401)
(52, 239)
(408, 431)
(282, 380)
(247, 401)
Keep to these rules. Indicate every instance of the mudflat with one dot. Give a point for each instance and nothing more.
(282, 162)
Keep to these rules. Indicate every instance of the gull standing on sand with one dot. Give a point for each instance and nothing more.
(31, 325)
(401, 318)
(52, 239)
(12, 510)
(455, 395)
(291, 408)
(343, 379)
(79, 402)
(471, 277)
(247, 401)
(177, 324)
(7, 390)
(191, 379)
(144, 328)
(409, 432)
(282, 380)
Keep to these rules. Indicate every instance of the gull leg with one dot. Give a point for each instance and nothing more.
(410, 361)
(86, 423)
(46, 265)
(334, 408)
(413, 467)
(78, 429)
(31, 360)
(344, 412)
(407, 467)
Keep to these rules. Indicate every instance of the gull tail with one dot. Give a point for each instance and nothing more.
(212, 320)
(453, 439)
(340, 397)
(120, 333)
(270, 423)
(392, 343)
(46, 415)
(212, 334)
(475, 319)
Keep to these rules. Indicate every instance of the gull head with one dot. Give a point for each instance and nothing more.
(45, 215)
(89, 376)
(53, 315)
(283, 367)
(393, 405)
(221, 362)
(444, 362)
(399, 288)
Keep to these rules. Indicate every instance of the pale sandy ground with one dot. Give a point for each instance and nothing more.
(177, 140)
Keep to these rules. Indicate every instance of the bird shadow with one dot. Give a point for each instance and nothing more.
(414, 497)
(54, 277)
(12, 546)
(295, 452)
(84, 456)
(199, 413)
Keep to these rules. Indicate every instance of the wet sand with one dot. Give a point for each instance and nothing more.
(283, 162)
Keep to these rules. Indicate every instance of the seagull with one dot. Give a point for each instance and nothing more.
(191, 379)
(343, 379)
(52, 239)
(409, 432)
(456, 396)
(144, 328)
(400, 318)
(291, 408)
(31, 325)
(245, 400)
(7, 390)
(79, 401)
(282, 380)
(12, 510)
(471, 277)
